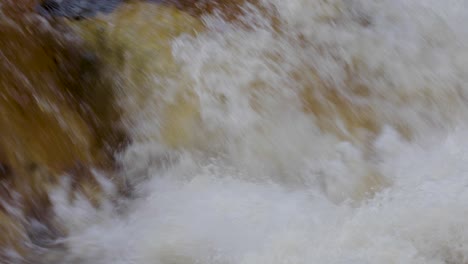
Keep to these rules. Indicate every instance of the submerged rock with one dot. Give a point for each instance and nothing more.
(135, 43)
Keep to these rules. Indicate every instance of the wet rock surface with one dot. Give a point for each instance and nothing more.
(134, 42)
(56, 111)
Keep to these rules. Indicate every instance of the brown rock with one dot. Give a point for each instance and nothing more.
(56, 110)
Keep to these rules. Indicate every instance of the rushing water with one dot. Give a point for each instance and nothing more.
(305, 131)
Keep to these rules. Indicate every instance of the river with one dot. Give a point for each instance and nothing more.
(298, 131)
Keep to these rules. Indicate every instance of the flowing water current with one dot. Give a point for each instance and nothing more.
(304, 131)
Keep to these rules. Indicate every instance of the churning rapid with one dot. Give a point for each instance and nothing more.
(294, 131)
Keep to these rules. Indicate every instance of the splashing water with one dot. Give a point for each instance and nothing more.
(334, 135)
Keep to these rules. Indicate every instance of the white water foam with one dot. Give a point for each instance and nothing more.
(265, 184)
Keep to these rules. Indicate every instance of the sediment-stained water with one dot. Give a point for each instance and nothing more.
(271, 131)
